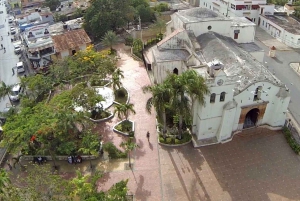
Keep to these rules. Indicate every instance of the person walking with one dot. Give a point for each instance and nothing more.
(1, 38)
(4, 49)
(148, 136)
(1, 46)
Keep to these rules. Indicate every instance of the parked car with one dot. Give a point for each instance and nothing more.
(20, 67)
(17, 49)
(10, 20)
(13, 31)
(15, 92)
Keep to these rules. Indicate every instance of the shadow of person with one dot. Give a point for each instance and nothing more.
(151, 146)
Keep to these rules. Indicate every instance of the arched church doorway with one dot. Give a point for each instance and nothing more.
(175, 71)
(251, 118)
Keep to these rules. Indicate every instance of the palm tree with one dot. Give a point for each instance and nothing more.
(159, 25)
(118, 73)
(110, 38)
(4, 180)
(159, 100)
(116, 79)
(185, 87)
(5, 90)
(129, 146)
(124, 110)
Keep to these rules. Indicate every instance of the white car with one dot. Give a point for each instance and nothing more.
(13, 31)
(10, 20)
(17, 49)
(20, 67)
(15, 92)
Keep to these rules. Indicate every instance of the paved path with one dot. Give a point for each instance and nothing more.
(144, 179)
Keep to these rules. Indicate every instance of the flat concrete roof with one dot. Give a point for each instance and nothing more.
(288, 23)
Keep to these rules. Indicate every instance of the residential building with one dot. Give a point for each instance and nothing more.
(235, 8)
(70, 42)
(284, 28)
(243, 92)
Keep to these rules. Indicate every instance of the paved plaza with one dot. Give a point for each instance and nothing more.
(255, 165)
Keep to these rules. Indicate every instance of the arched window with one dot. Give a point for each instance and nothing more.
(175, 71)
(222, 97)
(257, 93)
(212, 98)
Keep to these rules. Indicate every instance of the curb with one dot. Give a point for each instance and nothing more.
(173, 145)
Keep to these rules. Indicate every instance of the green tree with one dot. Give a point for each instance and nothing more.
(52, 4)
(129, 146)
(161, 94)
(109, 39)
(90, 144)
(124, 110)
(188, 85)
(5, 90)
(159, 25)
(104, 15)
(145, 12)
(4, 181)
(116, 79)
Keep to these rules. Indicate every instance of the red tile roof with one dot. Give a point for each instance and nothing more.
(70, 40)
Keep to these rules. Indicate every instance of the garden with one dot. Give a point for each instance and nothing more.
(62, 107)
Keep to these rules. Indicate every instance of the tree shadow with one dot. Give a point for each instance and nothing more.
(141, 193)
(139, 151)
(105, 177)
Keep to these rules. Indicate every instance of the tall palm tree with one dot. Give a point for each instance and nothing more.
(4, 180)
(185, 87)
(5, 90)
(118, 73)
(116, 79)
(159, 25)
(124, 110)
(110, 38)
(159, 100)
(129, 146)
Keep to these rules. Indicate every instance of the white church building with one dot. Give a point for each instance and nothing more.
(243, 93)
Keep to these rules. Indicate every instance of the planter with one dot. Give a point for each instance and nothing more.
(123, 132)
(100, 120)
(128, 98)
(173, 145)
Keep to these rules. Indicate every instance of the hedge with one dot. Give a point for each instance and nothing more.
(290, 139)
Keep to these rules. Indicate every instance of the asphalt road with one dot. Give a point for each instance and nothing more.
(8, 60)
(280, 67)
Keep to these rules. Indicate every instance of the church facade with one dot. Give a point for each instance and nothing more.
(243, 93)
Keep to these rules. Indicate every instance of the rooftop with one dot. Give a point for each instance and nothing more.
(241, 21)
(237, 62)
(70, 40)
(199, 15)
(169, 55)
(58, 28)
(288, 23)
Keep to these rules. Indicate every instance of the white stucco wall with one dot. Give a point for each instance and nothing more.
(221, 27)
(64, 53)
(246, 35)
(290, 39)
(162, 69)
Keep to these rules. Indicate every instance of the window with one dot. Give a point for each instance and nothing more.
(209, 27)
(212, 98)
(222, 97)
(263, 22)
(236, 34)
(257, 93)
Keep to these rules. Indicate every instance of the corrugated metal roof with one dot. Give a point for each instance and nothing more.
(70, 40)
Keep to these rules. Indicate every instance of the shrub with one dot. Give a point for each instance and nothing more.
(290, 139)
(171, 139)
(162, 7)
(128, 41)
(125, 126)
(113, 151)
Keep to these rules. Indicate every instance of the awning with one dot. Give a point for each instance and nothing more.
(34, 49)
(240, 7)
(255, 7)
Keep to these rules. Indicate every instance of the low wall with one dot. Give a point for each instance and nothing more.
(59, 158)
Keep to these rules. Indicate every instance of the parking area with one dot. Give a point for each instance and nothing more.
(256, 165)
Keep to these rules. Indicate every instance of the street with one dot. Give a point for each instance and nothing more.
(9, 59)
(281, 69)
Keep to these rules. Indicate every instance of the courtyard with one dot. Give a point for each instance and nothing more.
(257, 164)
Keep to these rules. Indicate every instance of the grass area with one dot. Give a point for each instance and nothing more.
(121, 95)
(172, 139)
